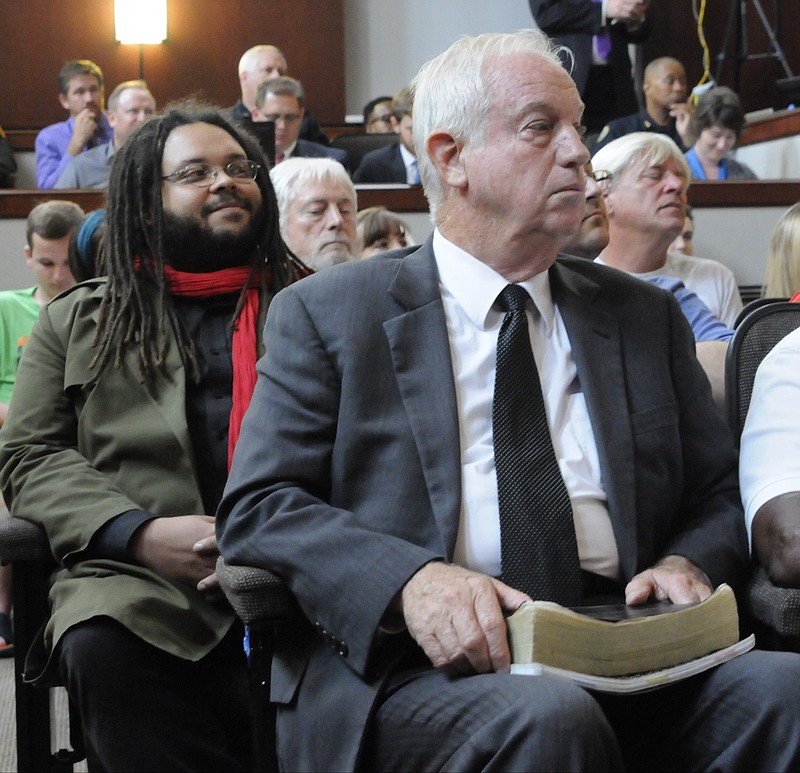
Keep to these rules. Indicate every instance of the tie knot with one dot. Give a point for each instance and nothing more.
(513, 298)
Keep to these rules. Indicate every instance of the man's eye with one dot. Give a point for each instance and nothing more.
(193, 174)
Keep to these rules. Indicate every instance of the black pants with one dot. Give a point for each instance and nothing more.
(145, 710)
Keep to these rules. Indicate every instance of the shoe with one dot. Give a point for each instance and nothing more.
(7, 649)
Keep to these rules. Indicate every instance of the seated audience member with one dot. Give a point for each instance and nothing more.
(129, 106)
(85, 246)
(684, 241)
(593, 236)
(769, 465)
(47, 233)
(395, 163)
(388, 469)
(666, 109)
(381, 231)
(261, 63)
(651, 165)
(378, 116)
(282, 101)
(317, 205)
(126, 408)
(80, 84)
(783, 258)
(8, 164)
(717, 124)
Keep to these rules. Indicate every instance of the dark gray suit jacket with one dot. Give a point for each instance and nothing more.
(306, 149)
(384, 165)
(573, 23)
(347, 478)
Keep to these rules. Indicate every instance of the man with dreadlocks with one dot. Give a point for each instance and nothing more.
(127, 407)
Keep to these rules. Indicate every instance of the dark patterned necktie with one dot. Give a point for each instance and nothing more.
(539, 551)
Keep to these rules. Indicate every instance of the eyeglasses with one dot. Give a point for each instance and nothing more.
(601, 177)
(286, 118)
(203, 176)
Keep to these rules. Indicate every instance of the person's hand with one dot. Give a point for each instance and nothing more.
(85, 127)
(682, 113)
(182, 548)
(628, 11)
(456, 616)
(674, 579)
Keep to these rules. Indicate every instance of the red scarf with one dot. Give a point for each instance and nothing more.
(244, 343)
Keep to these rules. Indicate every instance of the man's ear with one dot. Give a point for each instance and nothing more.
(64, 101)
(446, 153)
(28, 255)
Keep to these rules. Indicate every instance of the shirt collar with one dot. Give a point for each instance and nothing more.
(475, 286)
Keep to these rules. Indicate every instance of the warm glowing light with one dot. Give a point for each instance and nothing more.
(140, 21)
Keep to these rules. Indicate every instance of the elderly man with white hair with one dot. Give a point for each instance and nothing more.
(317, 204)
(647, 192)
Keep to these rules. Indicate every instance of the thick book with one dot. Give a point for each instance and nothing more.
(620, 641)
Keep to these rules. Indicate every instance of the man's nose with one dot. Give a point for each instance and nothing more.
(333, 218)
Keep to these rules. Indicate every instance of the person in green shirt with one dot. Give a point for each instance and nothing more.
(46, 253)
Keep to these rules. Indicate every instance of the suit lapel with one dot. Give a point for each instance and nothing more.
(420, 352)
(597, 350)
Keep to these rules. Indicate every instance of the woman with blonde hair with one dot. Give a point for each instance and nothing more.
(783, 259)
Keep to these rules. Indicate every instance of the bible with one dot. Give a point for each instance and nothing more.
(619, 648)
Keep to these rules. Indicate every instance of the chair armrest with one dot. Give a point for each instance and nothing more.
(21, 540)
(257, 595)
(777, 608)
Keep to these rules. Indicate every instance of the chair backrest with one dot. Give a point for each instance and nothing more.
(751, 306)
(753, 339)
(358, 145)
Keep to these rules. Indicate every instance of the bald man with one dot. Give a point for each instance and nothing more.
(666, 109)
(262, 63)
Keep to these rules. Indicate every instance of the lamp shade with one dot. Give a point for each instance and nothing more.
(140, 21)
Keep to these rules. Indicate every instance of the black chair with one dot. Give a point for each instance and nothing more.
(751, 306)
(267, 608)
(24, 546)
(358, 145)
(773, 612)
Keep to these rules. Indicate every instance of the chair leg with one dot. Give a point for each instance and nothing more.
(34, 730)
(259, 648)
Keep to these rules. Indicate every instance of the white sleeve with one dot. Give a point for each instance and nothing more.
(769, 462)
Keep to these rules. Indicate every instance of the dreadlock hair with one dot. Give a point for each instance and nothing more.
(131, 314)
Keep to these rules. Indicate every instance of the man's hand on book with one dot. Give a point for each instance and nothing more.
(456, 616)
(673, 578)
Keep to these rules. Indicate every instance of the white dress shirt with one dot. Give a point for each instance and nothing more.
(469, 290)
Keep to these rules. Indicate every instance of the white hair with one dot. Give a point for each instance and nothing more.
(291, 175)
(453, 93)
(629, 150)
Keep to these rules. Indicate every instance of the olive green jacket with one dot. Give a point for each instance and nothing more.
(72, 460)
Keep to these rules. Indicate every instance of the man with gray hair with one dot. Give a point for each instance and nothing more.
(317, 205)
(129, 106)
(646, 199)
(388, 472)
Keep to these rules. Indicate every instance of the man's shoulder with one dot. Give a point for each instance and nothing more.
(12, 302)
(78, 299)
(682, 265)
(52, 132)
(383, 153)
(308, 149)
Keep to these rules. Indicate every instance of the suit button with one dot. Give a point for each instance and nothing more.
(343, 649)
